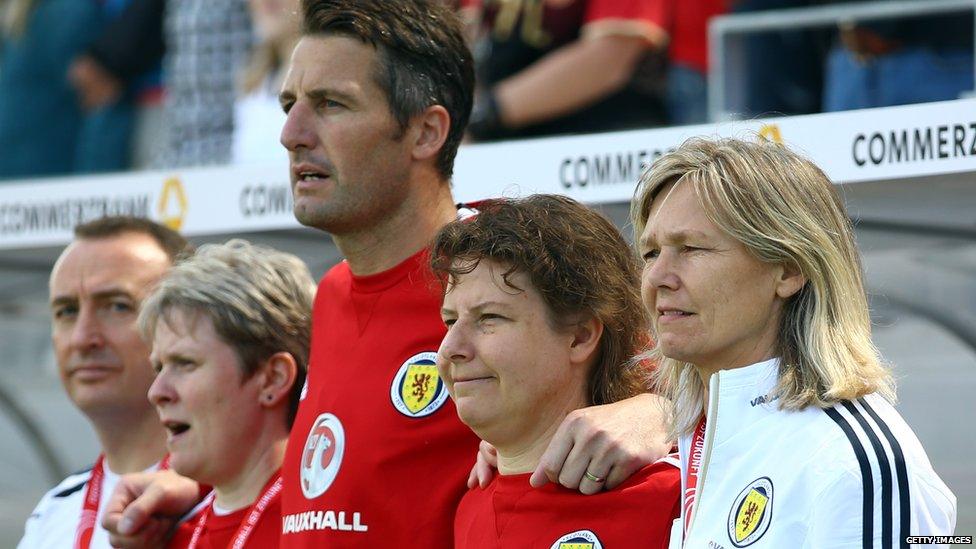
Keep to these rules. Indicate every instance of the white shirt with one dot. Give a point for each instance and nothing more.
(54, 522)
(771, 478)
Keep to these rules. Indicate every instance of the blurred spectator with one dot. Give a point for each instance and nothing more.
(118, 82)
(899, 62)
(563, 66)
(258, 117)
(687, 96)
(128, 48)
(783, 70)
(207, 43)
(41, 118)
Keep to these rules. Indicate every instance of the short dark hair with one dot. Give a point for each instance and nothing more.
(169, 240)
(579, 263)
(423, 59)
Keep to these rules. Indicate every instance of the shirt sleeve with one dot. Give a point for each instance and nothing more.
(34, 524)
(933, 508)
(642, 18)
(837, 518)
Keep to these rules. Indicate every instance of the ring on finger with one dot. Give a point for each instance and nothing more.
(593, 478)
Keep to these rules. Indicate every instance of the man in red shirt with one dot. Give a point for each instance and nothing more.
(377, 100)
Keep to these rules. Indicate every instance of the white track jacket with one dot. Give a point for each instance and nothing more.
(853, 475)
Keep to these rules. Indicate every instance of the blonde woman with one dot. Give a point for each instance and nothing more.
(783, 410)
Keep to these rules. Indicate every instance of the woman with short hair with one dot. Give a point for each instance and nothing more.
(544, 317)
(230, 334)
(783, 408)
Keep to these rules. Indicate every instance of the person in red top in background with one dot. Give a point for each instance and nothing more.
(230, 333)
(563, 66)
(687, 95)
(377, 99)
(544, 316)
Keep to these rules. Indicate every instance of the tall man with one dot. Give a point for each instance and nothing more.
(377, 101)
(95, 290)
(373, 123)
(377, 98)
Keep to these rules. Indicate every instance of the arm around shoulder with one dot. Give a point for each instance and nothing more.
(610, 442)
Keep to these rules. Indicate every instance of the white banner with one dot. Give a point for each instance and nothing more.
(851, 147)
(194, 201)
(854, 146)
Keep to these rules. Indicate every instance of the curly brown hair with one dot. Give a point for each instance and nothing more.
(578, 262)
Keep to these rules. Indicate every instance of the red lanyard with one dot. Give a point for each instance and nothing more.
(249, 522)
(89, 509)
(93, 497)
(694, 466)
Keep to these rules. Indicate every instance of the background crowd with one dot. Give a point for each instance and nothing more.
(112, 85)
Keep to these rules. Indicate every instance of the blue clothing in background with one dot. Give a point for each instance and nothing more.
(903, 77)
(40, 117)
(925, 59)
(687, 94)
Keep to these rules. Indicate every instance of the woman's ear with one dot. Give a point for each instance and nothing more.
(790, 281)
(278, 373)
(586, 340)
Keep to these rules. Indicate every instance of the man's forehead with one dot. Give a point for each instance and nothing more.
(322, 55)
(124, 264)
(323, 52)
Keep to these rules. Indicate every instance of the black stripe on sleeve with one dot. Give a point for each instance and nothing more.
(867, 478)
(904, 496)
(68, 491)
(886, 478)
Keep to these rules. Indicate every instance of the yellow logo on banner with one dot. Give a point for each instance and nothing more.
(419, 386)
(172, 205)
(750, 514)
(574, 545)
(770, 132)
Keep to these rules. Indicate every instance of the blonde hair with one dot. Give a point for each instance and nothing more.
(263, 63)
(783, 209)
(268, 58)
(15, 14)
